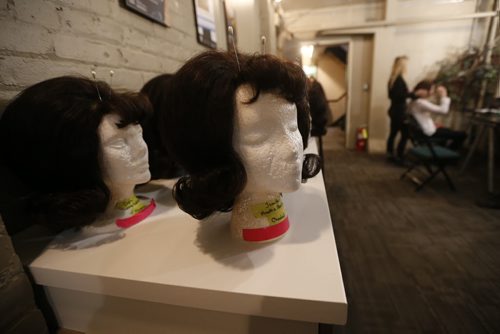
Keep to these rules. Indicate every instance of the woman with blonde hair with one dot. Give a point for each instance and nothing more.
(398, 93)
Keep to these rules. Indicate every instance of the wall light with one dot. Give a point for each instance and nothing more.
(307, 51)
(310, 71)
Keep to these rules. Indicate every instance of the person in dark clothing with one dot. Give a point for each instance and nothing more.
(398, 93)
(318, 105)
(319, 108)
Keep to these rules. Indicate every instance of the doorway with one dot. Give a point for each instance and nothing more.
(332, 74)
(344, 68)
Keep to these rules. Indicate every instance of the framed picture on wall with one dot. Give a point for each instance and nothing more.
(204, 13)
(154, 10)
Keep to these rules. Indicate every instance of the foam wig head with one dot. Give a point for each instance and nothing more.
(199, 123)
(49, 140)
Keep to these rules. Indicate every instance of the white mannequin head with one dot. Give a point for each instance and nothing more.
(207, 130)
(267, 138)
(124, 160)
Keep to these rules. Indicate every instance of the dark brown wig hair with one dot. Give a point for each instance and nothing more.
(161, 164)
(424, 84)
(49, 140)
(198, 125)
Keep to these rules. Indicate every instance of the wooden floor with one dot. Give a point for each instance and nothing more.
(426, 262)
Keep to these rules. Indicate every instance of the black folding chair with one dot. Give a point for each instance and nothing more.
(430, 154)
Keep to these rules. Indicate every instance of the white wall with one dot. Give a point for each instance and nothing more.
(268, 23)
(428, 43)
(383, 56)
(425, 43)
(44, 39)
(361, 50)
(246, 14)
(303, 23)
(254, 18)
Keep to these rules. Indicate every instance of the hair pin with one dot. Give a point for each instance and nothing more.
(231, 34)
(263, 45)
(111, 73)
(94, 74)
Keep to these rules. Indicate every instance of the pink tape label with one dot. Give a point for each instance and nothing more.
(266, 233)
(138, 217)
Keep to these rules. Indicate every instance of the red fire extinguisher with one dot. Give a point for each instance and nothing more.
(361, 138)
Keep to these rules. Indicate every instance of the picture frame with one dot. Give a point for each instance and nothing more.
(154, 10)
(204, 14)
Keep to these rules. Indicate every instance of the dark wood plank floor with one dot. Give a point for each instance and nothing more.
(426, 262)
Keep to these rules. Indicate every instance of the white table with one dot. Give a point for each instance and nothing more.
(174, 274)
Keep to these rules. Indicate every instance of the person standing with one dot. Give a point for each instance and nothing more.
(319, 108)
(398, 93)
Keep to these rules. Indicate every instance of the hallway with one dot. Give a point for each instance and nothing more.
(425, 262)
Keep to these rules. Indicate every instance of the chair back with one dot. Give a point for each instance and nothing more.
(419, 138)
(433, 148)
(428, 152)
(415, 133)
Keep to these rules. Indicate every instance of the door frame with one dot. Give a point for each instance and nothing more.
(332, 41)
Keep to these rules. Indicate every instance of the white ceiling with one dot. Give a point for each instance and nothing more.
(291, 5)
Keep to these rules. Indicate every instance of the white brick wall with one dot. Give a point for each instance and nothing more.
(41, 39)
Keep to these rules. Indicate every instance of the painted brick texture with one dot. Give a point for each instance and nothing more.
(42, 39)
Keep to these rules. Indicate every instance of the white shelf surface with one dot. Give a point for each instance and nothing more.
(173, 259)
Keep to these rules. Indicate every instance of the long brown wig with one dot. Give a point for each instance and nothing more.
(199, 122)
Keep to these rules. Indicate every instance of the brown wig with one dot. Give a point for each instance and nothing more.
(49, 140)
(198, 125)
(425, 85)
(161, 164)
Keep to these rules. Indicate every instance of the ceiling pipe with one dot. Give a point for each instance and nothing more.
(419, 20)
